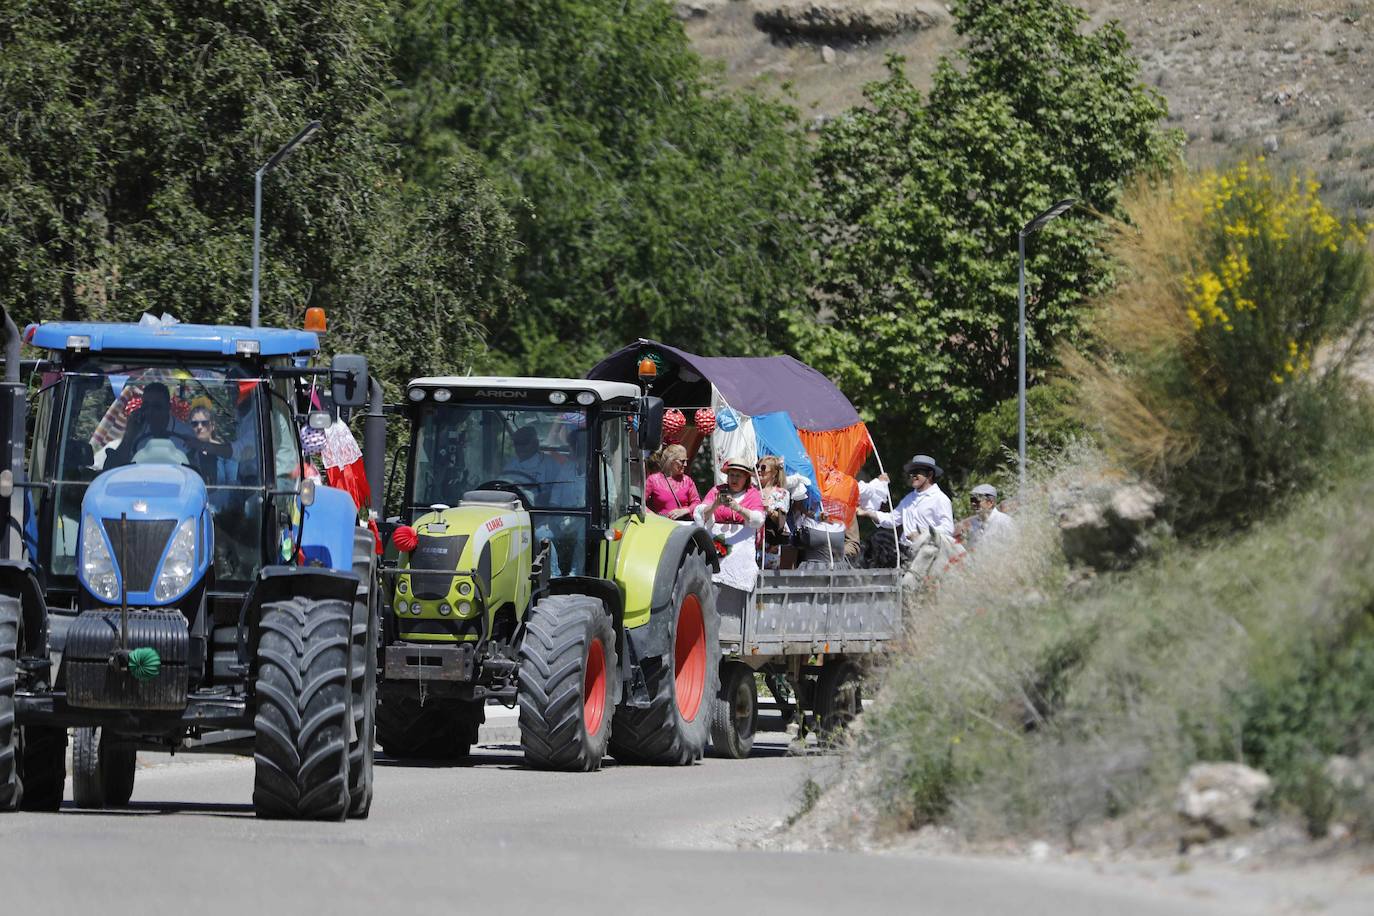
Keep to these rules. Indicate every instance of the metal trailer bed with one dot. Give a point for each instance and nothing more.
(811, 634)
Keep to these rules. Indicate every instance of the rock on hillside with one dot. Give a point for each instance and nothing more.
(845, 20)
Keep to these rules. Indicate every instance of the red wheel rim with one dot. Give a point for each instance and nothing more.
(689, 658)
(594, 688)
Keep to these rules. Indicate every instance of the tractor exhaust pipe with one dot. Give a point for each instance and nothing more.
(11, 348)
(374, 446)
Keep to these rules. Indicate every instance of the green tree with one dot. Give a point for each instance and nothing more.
(649, 201)
(129, 134)
(921, 200)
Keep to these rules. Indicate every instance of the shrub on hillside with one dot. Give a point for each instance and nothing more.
(1224, 347)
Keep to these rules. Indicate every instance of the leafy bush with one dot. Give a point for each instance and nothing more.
(1224, 347)
(1053, 420)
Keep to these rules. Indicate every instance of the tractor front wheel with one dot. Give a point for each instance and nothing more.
(675, 727)
(567, 683)
(440, 728)
(102, 769)
(304, 703)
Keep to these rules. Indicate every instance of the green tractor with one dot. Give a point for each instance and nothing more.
(529, 572)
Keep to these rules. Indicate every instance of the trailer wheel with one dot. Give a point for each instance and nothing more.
(11, 789)
(674, 728)
(363, 680)
(439, 729)
(303, 710)
(102, 769)
(734, 712)
(567, 683)
(839, 699)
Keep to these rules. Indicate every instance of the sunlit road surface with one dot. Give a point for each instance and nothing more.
(491, 835)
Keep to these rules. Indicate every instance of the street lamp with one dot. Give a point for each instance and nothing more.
(1034, 225)
(268, 166)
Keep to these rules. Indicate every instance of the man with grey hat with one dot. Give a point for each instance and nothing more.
(926, 506)
(989, 524)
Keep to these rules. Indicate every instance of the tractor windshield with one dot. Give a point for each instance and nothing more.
(539, 453)
(204, 417)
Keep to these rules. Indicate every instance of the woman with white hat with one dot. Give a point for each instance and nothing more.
(733, 513)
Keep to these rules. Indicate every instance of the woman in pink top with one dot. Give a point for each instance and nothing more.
(670, 491)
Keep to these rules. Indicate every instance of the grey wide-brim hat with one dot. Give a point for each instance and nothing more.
(922, 461)
(985, 489)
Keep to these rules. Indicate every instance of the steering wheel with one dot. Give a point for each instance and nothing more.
(510, 486)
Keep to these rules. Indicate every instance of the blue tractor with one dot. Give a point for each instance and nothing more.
(170, 577)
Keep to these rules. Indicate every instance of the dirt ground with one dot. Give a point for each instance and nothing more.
(1294, 78)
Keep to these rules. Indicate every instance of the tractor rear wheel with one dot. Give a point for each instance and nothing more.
(567, 683)
(102, 769)
(734, 712)
(440, 728)
(303, 710)
(363, 679)
(11, 789)
(674, 728)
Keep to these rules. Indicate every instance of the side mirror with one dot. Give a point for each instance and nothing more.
(348, 373)
(650, 423)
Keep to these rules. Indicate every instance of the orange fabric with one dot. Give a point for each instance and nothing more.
(839, 494)
(845, 449)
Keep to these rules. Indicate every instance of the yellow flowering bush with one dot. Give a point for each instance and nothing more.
(1243, 298)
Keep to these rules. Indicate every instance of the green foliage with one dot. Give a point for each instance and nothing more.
(1025, 705)
(1053, 420)
(129, 134)
(1223, 375)
(649, 201)
(922, 200)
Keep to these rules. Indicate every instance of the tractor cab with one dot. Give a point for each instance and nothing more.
(567, 449)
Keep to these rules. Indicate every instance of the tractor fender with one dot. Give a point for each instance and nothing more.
(17, 578)
(647, 569)
(327, 538)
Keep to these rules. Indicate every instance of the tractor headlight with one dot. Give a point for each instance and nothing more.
(97, 566)
(403, 586)
(402, 607)
(179, 567)
(416, 609)
(464, 608)
(465, 589)
(445, 610)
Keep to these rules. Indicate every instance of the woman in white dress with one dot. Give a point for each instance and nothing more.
(733, 513)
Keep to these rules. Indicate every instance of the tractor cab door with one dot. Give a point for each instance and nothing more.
(614, 488)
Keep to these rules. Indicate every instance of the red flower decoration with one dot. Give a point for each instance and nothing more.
(721, 547)
(405, 538)
(181, 409)
(673, 424)
(134, 403)
(705, 420)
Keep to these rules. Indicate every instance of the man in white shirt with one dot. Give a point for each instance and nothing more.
(926, 506)
(989, 524)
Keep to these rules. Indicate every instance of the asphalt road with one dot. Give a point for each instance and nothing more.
(492, 834)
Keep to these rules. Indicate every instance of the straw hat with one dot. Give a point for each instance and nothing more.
(738, 463)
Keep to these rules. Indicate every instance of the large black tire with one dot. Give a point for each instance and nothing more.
(33, 759)
(734, 712)
(43, 767)
(675, 727)
(303, 710)
(439, 729)
(363, 680)
(567, 683)
(102, 769)
(839, 699)
(11, 788)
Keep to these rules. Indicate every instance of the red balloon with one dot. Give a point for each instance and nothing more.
(405, 538)
(705, 420)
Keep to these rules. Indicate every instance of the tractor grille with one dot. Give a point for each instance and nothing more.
(439, 554)
(144, 542)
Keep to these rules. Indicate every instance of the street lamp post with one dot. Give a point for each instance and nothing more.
(1035, 225)
(268, 166)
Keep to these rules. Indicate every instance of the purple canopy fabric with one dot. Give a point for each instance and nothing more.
(753, 385)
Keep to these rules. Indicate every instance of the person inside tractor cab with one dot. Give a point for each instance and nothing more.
(533, 470)
(149, 434)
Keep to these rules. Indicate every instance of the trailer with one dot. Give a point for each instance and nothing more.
(811, 633)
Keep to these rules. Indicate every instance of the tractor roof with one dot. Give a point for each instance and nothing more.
(604, 391)
(223, 340)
